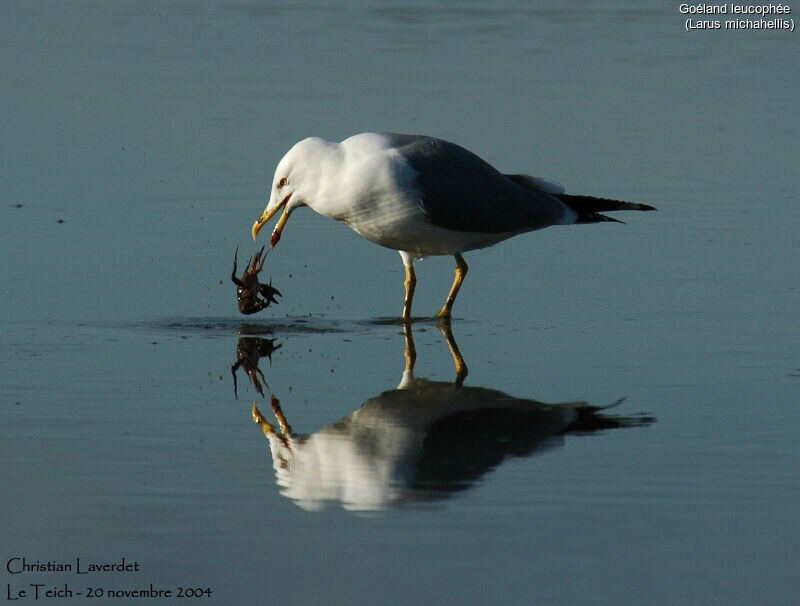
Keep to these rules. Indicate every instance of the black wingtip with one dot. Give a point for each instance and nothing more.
(590, 207)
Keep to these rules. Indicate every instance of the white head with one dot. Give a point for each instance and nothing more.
(296, 182)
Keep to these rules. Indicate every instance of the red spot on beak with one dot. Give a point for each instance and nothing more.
(276, 233)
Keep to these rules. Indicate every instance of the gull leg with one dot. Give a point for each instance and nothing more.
(410, 284)
(461, 271)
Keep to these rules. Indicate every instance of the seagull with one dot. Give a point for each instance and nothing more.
(421, 196)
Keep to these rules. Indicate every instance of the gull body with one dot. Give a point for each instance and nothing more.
(421, 196)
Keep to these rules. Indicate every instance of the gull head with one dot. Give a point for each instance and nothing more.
(294, 184)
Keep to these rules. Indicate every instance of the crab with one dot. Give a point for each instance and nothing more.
(252, 295)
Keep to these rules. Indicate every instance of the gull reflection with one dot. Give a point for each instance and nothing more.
(424, 440)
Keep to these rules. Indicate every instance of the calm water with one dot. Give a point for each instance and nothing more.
(628, 428)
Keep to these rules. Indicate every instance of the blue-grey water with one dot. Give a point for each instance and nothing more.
(628, 431)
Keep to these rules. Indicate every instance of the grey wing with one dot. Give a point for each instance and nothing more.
(460, 191)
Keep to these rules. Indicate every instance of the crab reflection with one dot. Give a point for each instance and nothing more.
(249, 351)
(424, 440)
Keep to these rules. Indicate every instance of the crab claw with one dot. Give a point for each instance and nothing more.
(268, 292)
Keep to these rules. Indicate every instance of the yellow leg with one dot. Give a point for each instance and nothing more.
(410, 284)
(461, 272)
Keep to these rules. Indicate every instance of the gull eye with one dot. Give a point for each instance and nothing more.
(282, 182)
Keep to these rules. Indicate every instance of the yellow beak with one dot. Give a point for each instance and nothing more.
(267, 215)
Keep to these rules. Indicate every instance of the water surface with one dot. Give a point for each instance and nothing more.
(627, 429)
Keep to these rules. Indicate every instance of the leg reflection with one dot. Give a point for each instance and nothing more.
(461, 367)
(411, 352)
